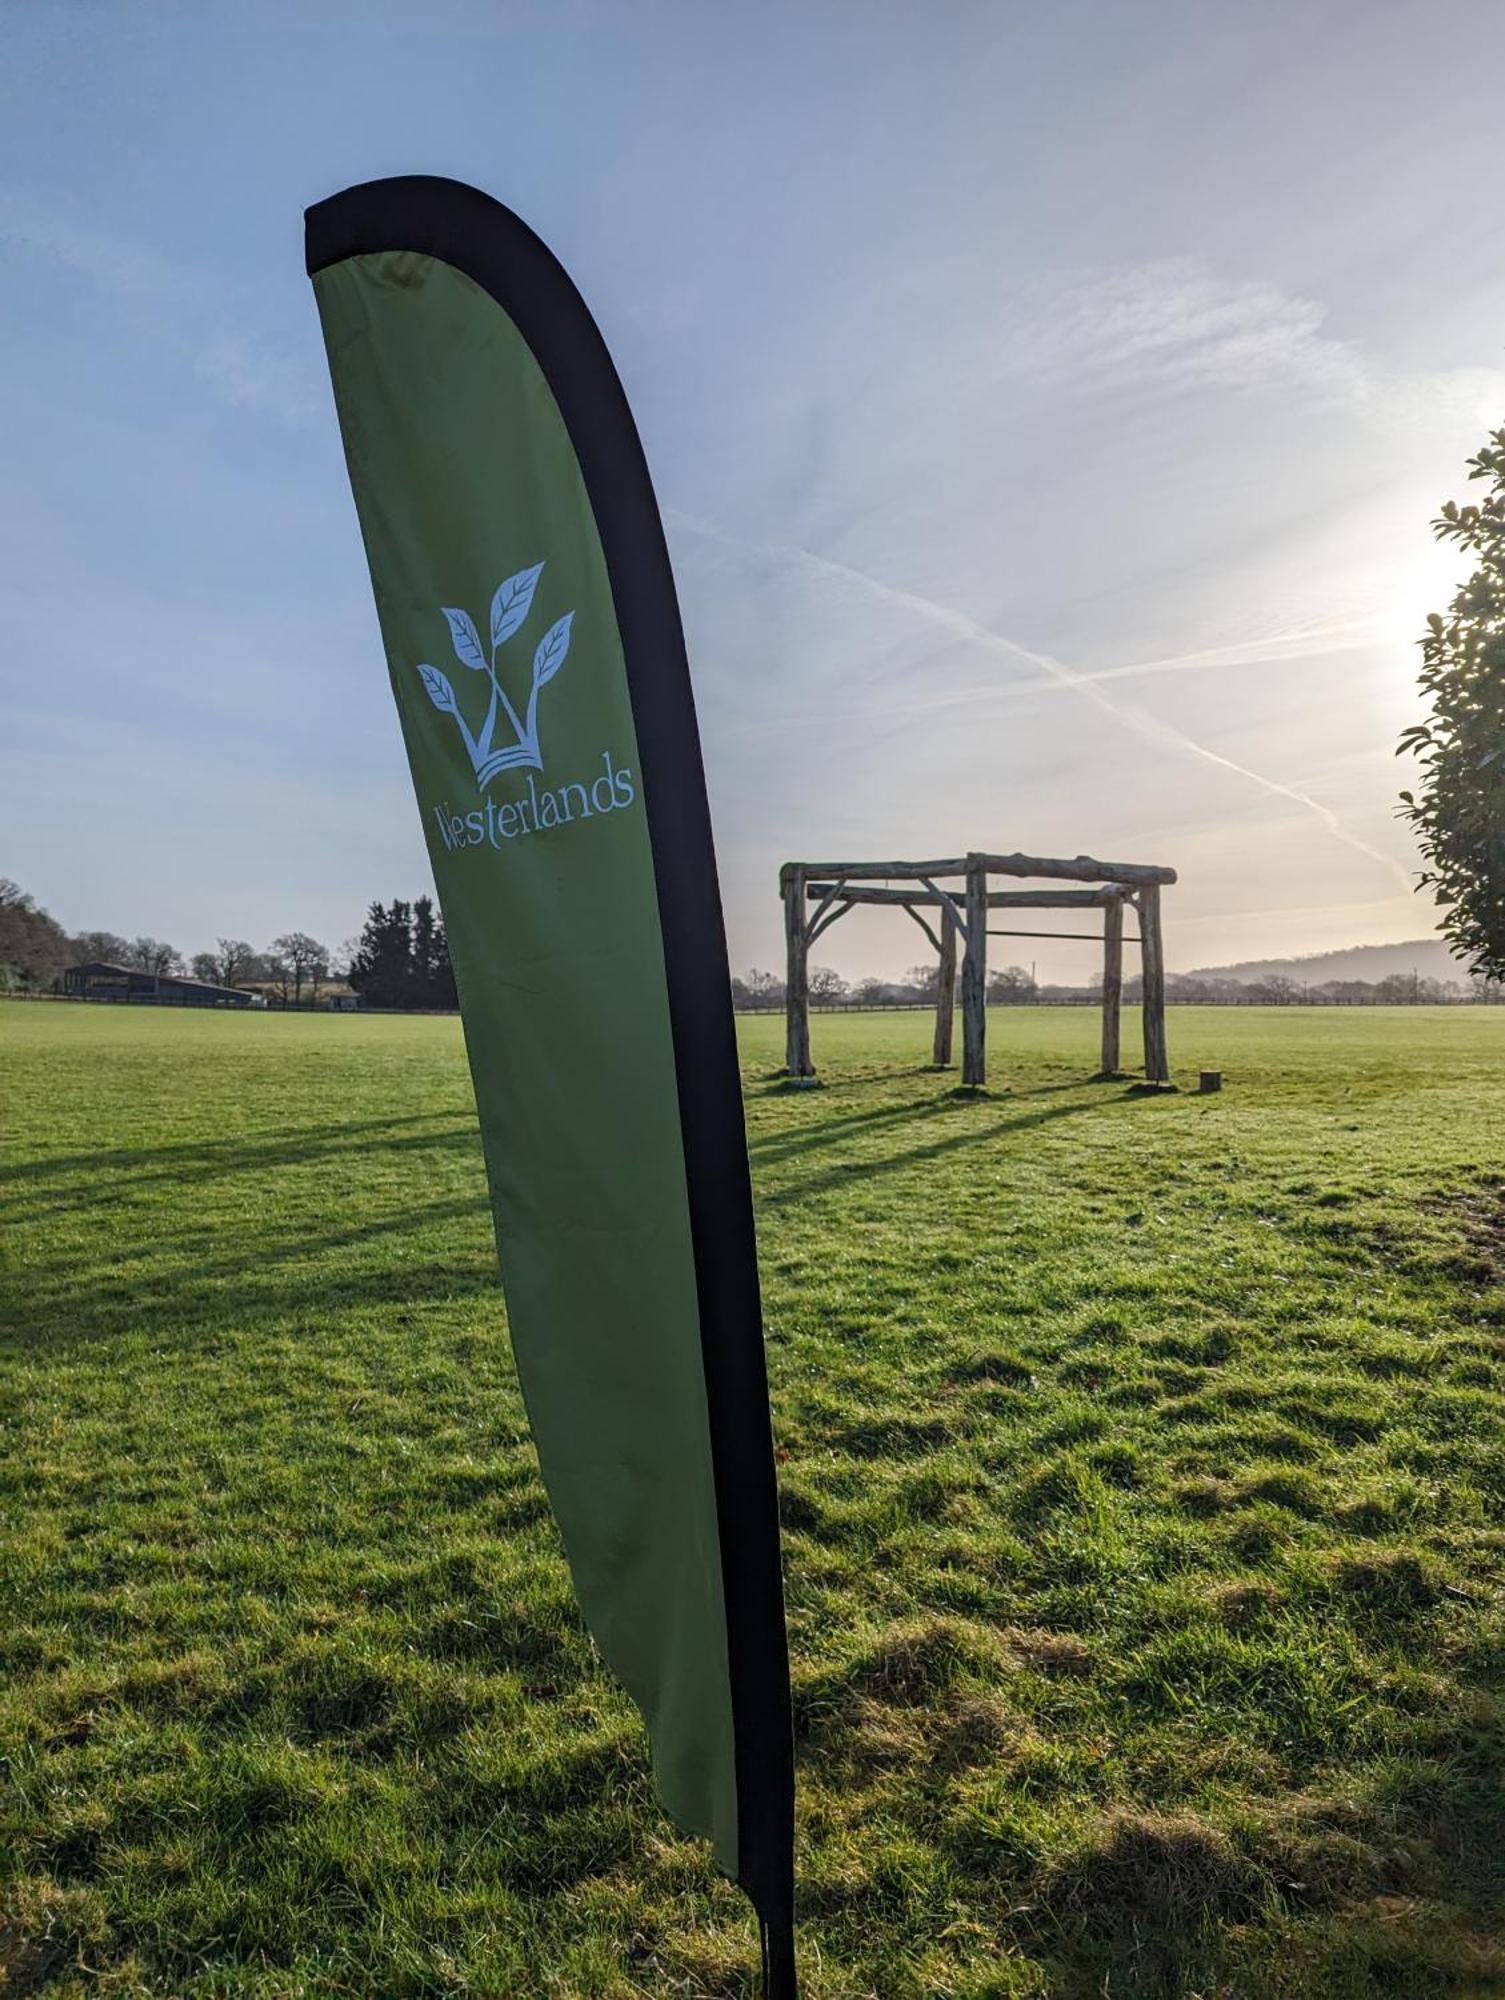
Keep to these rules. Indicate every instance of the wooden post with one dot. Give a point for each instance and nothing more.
(975, 977)
(1113, 983)
(945, 992)
(796, 979)
(1152, 958)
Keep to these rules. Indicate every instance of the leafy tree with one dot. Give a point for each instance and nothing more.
(1458, 810)
(401, 958)
(380, 967)
(33, 946)
(444, 993)
(149, 954)
(424, 953)
(204, 965)
(432, 978)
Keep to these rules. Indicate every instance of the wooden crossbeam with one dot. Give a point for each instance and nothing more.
(1084, 937)
(998, 899)
(1082, 868)
(832, 916)
(911, 911)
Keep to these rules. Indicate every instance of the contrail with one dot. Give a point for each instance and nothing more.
(960, 626)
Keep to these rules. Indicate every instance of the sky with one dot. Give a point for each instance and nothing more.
(1048, 406)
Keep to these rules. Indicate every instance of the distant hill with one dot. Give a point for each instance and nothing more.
(1429, 957)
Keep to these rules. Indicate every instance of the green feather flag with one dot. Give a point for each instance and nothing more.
(535, 651)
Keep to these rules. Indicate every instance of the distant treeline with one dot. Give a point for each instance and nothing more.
(400, 959)
(757, 992)
(35, 951)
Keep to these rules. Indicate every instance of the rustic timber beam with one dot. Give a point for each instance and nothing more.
(1071, 937)
(1083, 868)
(828, 897)
(975, 981)
(998, 899)
(945, 992)
(948, 902)
(871, 871)
(1157, 1067)
(796, 979)
(1113, 985)
(911, 911)
(833, 916)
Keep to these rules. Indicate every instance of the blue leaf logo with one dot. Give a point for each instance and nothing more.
(441, 694)
(512, 603)
(466, 640)
(552, 648)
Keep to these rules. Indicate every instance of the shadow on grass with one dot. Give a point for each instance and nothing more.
(825, 1132)
(178, 1314)
(133, 1168)
(976, 1132)
(248, 1263)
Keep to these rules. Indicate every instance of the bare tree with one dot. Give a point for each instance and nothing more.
(33, 946)
(824, 984)
(98, 948)
(149, 954)
(304, 961)
(236, 960)
(1010, 984)
(278, 972)
(757, 989)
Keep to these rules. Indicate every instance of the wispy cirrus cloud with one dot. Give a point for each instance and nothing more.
(972, 632)
(1179, 323)
(169, 306)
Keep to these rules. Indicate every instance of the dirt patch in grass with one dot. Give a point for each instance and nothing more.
(993, 1365)
(1245, 1604)
(1477, 1214)
(1146, 1892)
(1390, 1583)
(915, 1661)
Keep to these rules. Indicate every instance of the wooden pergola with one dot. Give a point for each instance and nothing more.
(817, 894)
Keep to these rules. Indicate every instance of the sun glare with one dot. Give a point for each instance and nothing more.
(1421, 585)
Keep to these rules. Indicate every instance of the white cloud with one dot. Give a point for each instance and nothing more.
(174, 309)
(972, 632)
(1178, 323)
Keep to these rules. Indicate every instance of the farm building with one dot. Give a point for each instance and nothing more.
(98, 981)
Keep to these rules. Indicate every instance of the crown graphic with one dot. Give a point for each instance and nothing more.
(509, 610)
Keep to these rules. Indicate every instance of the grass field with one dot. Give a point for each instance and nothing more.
(1143, 1484)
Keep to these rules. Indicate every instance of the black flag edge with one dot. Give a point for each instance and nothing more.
(495, 249)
